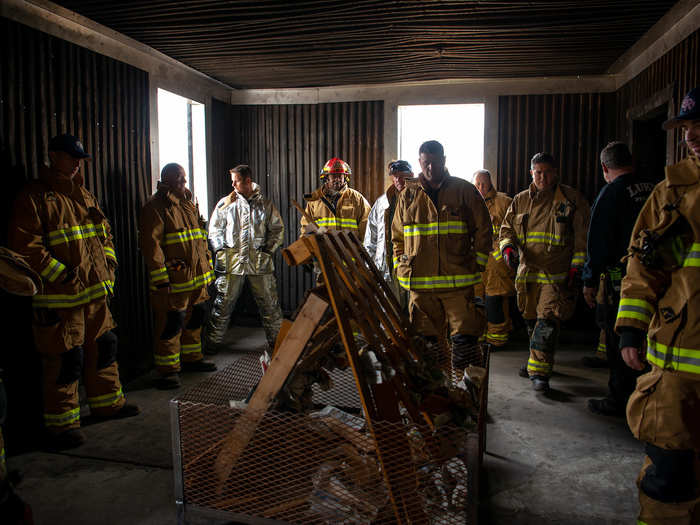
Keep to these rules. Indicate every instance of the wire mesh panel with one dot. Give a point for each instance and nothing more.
(323, 466)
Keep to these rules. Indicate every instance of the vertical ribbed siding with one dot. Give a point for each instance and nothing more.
(50, 86)
(573, 128)
(286, 146)
(679, 68)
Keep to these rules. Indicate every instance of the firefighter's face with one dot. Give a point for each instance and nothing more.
(398, 178)
(483, 184)
(544, 176)
(691, 134)
(176, 181)
(432, 166)
(243, 185)
(335, 181)
(64, 163)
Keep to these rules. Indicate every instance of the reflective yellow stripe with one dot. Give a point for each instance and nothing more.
(437, 282)
(602, 348)
(638, 309)
(675, 357)
(185, 236)
(497, 255)
(109, 252)
(542, 278)
(53, 270)
(74, 233)
(166, 360)
(62, 419)
(693, 258)
(435, 228)
(537, 366)
(497, 337)
(193, 284)
(337, 222)
(69, 301)
(578, 258)
(481, 258)
(395, 259)
(159, 276)
(106, 400)
(496, 229)
(193, 348)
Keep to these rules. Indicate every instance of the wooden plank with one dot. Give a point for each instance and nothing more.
(297, 253)
(284, 329)
(270, 384)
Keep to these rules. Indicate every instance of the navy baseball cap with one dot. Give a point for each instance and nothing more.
(400, 166)
(68, 144)
(690, 110)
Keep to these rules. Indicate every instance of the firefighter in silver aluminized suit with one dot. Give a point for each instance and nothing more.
(244, 231)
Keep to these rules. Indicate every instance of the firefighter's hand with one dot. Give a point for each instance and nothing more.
(589, 296)
(631, 356)
(574, 277)
(511, 257)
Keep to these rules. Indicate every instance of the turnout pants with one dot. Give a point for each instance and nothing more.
(58, 331)
(228, 290)
(544, 306)
(664, 413)
(178, 320)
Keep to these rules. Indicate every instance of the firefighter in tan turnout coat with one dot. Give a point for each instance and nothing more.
(174, 246)
(498, 279)
(441, 236)
(659, 299)
(60, 229)
(544, 235)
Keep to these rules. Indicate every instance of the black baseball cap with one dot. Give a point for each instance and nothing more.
(68, 144)
(690, 110)
(400, 166)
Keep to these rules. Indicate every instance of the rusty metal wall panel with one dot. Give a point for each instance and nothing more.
(286, 146)
(49, 86)
(679, 70)
(573, 128)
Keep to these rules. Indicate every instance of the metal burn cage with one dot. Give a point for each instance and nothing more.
(313, 468)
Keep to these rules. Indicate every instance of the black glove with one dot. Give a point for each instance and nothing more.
(71, 366)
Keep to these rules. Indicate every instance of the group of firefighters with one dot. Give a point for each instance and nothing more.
(456, 255)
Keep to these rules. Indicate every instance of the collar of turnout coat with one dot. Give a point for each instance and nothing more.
(320, 193)
(60, 183)
(685, 173)
(164, 192)
(233, 196)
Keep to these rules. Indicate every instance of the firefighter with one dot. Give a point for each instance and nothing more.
(60, 229)
(613, 216)
(378, 235)
(245, 231)
(659, 299)
(442, 235)
(335, 205)
(174, 246)
(543, 235)
(498, 279)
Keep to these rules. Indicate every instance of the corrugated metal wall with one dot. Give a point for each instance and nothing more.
(49, 86)
(679, 69)
(286, 146)
(573, 128)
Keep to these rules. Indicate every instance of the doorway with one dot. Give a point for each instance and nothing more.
(649, 144)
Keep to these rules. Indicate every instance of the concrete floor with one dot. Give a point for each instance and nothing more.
(549, 461)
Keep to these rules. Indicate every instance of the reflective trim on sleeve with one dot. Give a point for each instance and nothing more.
(602, 349)
(674, 358)
(497, 255)
(542, 278)
(481, 258)
(693, 258)
(193, 348)
(166, 360)
(544, 238)
(185, 236)
(578, 259)
(497, 337)
(106, 400)
(85, 231)
(63, 419)
(439, 282)
(53, 270)
(158, 276)
(70, 300)
(192, 284)
(435, 228)
(638, 309)
(337, 222)
(109, 252)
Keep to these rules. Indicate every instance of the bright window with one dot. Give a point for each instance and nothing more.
(181, 139)
(458, 127)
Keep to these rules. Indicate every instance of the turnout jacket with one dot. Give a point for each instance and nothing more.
(60, 229)
(349, 213)
(377, 240)
(174, 243)
(244, 233)
(440, 245)
(612, 219)
(549, 230)
(661, 290)
(498, 278)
